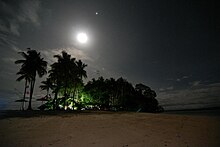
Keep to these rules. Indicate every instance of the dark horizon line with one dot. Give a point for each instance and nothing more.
(165, 110)
(193, 109)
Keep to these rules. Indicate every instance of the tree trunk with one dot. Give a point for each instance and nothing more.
(25, 88)
(48, 92)
(31, 94)
(55, 99)
(65, 96)
(74, 92)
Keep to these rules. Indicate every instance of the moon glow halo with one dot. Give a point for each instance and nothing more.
(82, 37)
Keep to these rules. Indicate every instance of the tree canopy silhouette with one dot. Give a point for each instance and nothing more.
(66, 75)
(119, 94)
(65, 80)
(32, 64)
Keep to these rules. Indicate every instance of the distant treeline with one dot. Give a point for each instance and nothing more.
(65, 84)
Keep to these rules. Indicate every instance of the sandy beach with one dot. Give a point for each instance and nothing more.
(108, 129)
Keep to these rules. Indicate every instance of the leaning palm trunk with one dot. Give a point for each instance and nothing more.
(31, 94)
(25, 89)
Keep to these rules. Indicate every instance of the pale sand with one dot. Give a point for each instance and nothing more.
(110, 130)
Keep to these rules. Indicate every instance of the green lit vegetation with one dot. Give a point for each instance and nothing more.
(65, 84)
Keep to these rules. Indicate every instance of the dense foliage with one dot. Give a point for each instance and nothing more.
(111, 94)
(65, 81)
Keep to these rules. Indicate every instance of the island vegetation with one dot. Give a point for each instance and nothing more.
(65, 84)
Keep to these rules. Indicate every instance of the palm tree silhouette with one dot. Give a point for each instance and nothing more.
(66, 66)
(24, 76)
(66, 74)
(47, 85)
(61, 74)
(81, 69)
(32, 65)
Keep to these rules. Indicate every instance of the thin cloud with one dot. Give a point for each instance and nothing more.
(182, 78)
(9, 59)
(185, 77)
(17, 14)
(5, 41)
(14, 28)
(195, 83)
(170, 88)
(75, 53)
(178, 80)
(166, 89)
(161, 89)
(29, 12)
(199, 96)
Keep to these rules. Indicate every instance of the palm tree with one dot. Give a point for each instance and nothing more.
(80, 69)
(112, 90)
(55, 74)
(32, 65)
(67, 66)
(24, 76)
(78, 74)
(62, 72)
(66, 74)
(47, 85)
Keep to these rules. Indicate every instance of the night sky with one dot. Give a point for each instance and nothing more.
(172, 46)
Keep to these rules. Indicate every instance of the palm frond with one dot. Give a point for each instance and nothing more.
(23, 54)
(20, 61)
(20, 78)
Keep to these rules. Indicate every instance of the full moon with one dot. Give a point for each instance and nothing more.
(82, 37)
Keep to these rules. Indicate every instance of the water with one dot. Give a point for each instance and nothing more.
(214, 112)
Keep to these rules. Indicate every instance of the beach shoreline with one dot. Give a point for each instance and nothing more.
(59, 129)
